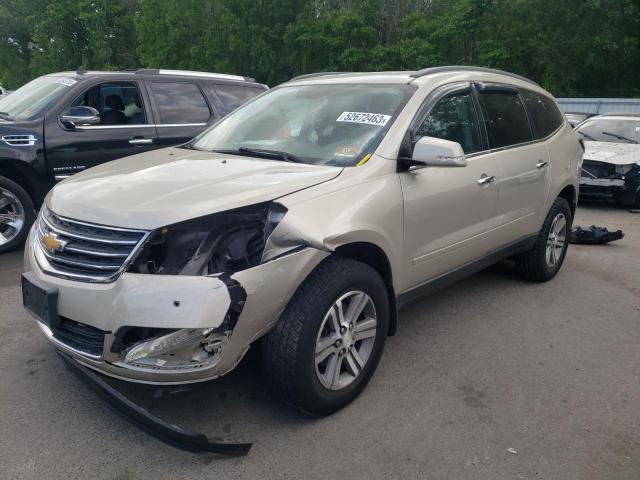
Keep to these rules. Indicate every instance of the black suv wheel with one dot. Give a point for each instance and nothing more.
(16, 215)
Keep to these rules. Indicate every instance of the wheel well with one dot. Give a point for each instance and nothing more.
(569, 194)
(375, 257)
(21, 175)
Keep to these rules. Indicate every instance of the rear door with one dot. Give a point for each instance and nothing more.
(181, 110)
(522, 178)
(125, 128)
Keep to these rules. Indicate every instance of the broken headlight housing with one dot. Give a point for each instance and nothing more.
(224, 242)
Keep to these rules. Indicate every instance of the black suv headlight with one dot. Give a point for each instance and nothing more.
(225, 242)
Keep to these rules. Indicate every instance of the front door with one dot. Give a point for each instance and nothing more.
(125, 129)
(450, 212)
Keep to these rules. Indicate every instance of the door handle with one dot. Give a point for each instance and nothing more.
(484, 179)
(141, 141)
(541, 164)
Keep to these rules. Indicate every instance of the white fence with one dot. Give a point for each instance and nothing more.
(600, 105)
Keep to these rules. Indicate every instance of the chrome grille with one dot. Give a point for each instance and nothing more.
(84, 251)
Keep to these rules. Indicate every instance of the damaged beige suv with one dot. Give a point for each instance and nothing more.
(303, 220)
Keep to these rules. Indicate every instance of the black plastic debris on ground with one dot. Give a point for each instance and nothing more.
(164, 431)
(593, 235)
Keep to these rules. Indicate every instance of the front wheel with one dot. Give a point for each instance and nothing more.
(544, 260)
(17, 214)
(328, 342)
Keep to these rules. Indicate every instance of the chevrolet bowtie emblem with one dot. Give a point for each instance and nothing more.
(51, 243)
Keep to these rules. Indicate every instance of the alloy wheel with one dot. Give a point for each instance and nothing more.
(12, 216)
(556, 240)
(345, 340)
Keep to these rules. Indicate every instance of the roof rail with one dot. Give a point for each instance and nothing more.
(462, 68)
(189, 73)
(319, 74)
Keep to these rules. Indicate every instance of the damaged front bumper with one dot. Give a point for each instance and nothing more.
(164, 431)
(605, 182)
(163, 329)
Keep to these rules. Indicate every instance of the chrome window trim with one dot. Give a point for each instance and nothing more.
(147, 125)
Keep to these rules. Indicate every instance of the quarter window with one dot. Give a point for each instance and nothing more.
(453, 118)
(119, 103)
(180, 103)
(543, 112)
(233, 96)
(505, 119)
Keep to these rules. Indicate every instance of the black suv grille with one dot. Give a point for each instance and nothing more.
(79, 336)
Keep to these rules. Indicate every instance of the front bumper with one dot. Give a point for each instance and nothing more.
(602, 183)
(174, 302)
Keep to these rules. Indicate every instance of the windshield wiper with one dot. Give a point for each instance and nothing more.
(586, 135)
(264, 153)
(5, 116)
(620, 137)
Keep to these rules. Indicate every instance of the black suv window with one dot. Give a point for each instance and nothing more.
(453, 118)
(234, 95)
(180, 102)
(505, 118)
(543, 112)
(119, 103)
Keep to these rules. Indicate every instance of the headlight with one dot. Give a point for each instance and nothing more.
(224, 242)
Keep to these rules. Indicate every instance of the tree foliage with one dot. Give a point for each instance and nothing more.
(591, 47)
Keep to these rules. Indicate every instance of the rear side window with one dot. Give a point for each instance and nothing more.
(180, 102)
(232, 96)
(453, 118)
(505, 118)
(544, 113)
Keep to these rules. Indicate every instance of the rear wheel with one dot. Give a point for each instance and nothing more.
(544, 260)
(16, 215)
(328, 342)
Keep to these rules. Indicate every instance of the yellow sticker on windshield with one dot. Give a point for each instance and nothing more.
(364, 160)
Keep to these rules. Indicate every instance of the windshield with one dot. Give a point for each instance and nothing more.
(618, 130)
(32, 99)
(319, 124)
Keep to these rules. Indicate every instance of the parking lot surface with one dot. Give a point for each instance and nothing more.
(492, 378)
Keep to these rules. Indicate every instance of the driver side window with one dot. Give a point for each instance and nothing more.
(119, 103)
(453, 118)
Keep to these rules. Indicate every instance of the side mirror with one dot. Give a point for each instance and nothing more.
(79, 116)
(436, 152)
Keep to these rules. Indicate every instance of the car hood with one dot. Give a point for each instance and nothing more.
(166, 186)
(614, 153)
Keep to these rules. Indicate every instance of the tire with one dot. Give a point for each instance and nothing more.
(537, 264)
(17, 214)
(289, 350)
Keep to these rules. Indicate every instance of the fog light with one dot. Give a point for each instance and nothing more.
(186, 348)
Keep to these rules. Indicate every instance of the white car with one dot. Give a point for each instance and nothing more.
(611, 167)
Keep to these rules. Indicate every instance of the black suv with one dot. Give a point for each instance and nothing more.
(60, 124)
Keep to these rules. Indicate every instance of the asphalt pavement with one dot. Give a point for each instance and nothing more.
(492, 378)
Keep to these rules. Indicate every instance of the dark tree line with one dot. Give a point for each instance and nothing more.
(572, 47)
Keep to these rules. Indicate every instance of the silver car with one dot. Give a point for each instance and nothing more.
(303, 221)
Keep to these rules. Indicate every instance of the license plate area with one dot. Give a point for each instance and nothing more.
(40, 300)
